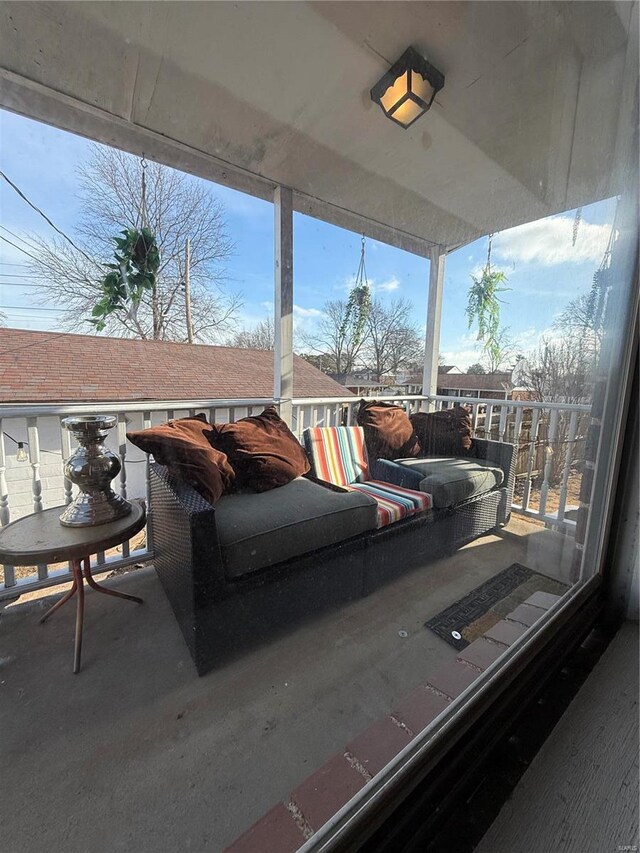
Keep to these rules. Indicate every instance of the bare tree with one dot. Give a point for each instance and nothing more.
(260, 336)
(583, 318)
(320, 361)
(559, 371)
(336, 339)
(502, 352)
(175, 207)
(392, 341)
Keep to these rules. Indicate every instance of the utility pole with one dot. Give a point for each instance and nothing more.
(187, 290)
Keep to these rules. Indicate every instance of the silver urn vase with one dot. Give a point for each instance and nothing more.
(91, 468)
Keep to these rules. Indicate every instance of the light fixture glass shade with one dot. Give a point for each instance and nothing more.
(21, 453)
(407, 90)
(395, 93)
(407, 112)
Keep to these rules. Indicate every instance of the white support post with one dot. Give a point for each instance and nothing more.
(283, 302)
(434, 317)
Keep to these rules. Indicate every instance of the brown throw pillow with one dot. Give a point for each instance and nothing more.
(444, 433)
(388, 432)
(184, 447)
(263, 451)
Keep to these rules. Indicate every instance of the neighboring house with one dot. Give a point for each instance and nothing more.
(495, 386)
(52, 367)
(361, 383)
(410, 382)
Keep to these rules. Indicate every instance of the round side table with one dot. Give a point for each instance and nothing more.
(40, 538)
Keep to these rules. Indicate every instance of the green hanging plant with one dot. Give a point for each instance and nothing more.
(137, 260)
(357, 313)
(483, 304)
(358, 306)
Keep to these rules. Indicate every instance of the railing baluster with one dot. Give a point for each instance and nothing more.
(475, 408)
(503, 422)
(516, 440)
(532, 451)
(65, 442)
(122, 450)
(9, 576)
(517, 428)
(232, 415)
(34, 459)
(568, 458)
(146, 423)
(488, 420)
(549, 453)
(170, 414)
(36, 483)
(5, 512)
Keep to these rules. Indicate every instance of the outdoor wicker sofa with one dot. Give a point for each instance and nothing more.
(253, 565)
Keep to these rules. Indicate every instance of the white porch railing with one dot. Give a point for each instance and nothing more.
(548, 438)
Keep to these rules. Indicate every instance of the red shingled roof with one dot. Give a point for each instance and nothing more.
(39, 367)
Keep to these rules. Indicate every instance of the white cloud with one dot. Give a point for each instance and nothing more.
(387, 286)
(550, 242)
(300, 312)
(461, 358)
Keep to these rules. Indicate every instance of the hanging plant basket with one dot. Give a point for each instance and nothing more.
(137, 260)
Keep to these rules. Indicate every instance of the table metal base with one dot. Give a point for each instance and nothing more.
(78, 587)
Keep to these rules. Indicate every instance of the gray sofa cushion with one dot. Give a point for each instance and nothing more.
(259, 530)
(451, 480)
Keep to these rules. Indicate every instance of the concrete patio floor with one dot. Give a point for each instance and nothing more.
(136, 753)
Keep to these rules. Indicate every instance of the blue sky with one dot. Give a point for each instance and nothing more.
(544, 269)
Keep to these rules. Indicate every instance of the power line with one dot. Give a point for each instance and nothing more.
(18, 318)
(26, 308)
(18, 237)
(45, 217)
(15, 275)
(18, 284)
(19, 248)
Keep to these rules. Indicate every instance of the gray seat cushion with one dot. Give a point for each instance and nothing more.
(451, 480)
(258, 530)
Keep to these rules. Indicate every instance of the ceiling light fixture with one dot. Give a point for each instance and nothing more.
(408, 88)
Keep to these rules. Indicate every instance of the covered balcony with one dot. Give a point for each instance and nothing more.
(306, 725)
(272, 711)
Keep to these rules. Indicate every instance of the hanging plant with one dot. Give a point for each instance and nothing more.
(137, 260)
(483, 304)
(357, 312)
(358, 305)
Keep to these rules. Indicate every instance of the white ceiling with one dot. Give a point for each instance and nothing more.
(534, 116)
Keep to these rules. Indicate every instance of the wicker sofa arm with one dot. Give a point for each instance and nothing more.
(185, 542)
(502, 454)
